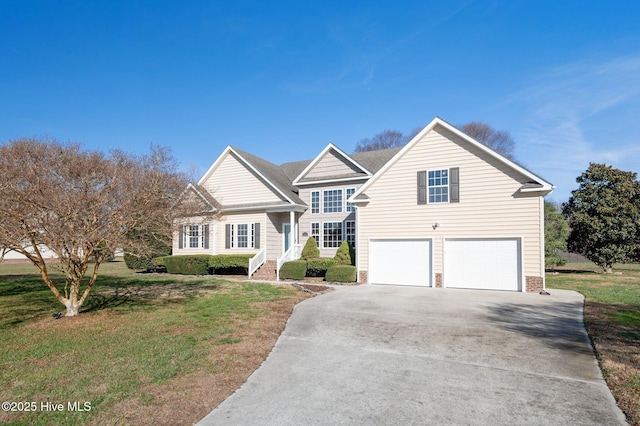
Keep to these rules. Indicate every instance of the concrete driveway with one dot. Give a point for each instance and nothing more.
(371, 355)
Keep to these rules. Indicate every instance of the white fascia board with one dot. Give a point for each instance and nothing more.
(269, 208)
(315, 161)
(229, 149)
(214, 165)
(543, 189)
(546, 186)
(329, 181)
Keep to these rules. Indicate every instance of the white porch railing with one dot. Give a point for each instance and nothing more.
(293, 253)
(256, 261)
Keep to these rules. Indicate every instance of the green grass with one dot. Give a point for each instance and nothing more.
(612, 319)
(135, 330)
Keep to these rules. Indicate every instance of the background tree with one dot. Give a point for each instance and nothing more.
(498, 140)
(604, 215)
(82, 205)
(556, 232)
(383, 140)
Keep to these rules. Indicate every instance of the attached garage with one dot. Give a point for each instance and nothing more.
(400, 261)
(483, 263)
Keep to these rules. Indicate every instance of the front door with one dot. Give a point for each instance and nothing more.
(286, 235)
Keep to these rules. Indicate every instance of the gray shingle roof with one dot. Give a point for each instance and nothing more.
(282, 176)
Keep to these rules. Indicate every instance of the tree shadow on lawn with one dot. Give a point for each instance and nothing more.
(558, 325)
(118, 293)
(24, 297)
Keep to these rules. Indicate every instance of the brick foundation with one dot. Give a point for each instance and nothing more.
(534, 284)
(364, 277)
(438, 280)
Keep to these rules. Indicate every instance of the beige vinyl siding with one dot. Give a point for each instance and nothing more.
(332, 164)
(490, 202)
(233, 183)
(307, 217)
(241, 218)
(274, 234)
(176, 250)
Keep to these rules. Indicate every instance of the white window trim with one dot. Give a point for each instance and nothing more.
(324, 242)
(319, 201)
(319, 236)
(341, 200)
(186, 237)
(346, 197)
(344, 231)
(251, 236)
(440, 186)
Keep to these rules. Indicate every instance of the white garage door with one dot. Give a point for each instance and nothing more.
(400, 261)
(490, 264)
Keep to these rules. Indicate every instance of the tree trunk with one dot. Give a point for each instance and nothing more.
(608, 269)
(72, 304)
(73, 308)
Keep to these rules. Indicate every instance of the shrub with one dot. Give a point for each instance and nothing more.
(310, 249)
(343, 255)
(190, 264)
(294, 270)
(155, 247)
(341, 274)
(230, 263)
(318, 267)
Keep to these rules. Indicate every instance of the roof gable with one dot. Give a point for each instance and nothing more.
(195, 199)
(537, 184)
(242, 178)
(332, 164)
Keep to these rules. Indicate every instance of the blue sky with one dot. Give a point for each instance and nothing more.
(282, 79)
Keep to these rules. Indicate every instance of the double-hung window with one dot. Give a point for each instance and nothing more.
(242, 235)
(438, 186)
(350, 207)
(332, 201)
(194, 237)
(350, 232)
(315, 202)
(193, 233)
(315, 232)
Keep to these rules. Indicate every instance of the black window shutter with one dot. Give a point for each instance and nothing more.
(227, 236)
(181, 237)
(422, 187)
(256, 234)
(206, 236)
(454, 185)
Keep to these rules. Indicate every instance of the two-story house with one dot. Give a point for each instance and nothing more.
(443, 211)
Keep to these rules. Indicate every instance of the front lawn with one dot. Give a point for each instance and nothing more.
(148, 348)
(612, 319)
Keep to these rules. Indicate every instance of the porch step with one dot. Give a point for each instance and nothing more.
(266, 272)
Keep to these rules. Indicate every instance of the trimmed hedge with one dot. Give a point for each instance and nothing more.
(228, 261)
(341, 274)
(294, 270)
(318, 267)
(189, 264)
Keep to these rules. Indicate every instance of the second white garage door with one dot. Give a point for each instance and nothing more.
(400, 261)
(488, 263)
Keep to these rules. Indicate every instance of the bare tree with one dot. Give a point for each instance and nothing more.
(498, 140)
(82, 205)
(383, 140)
